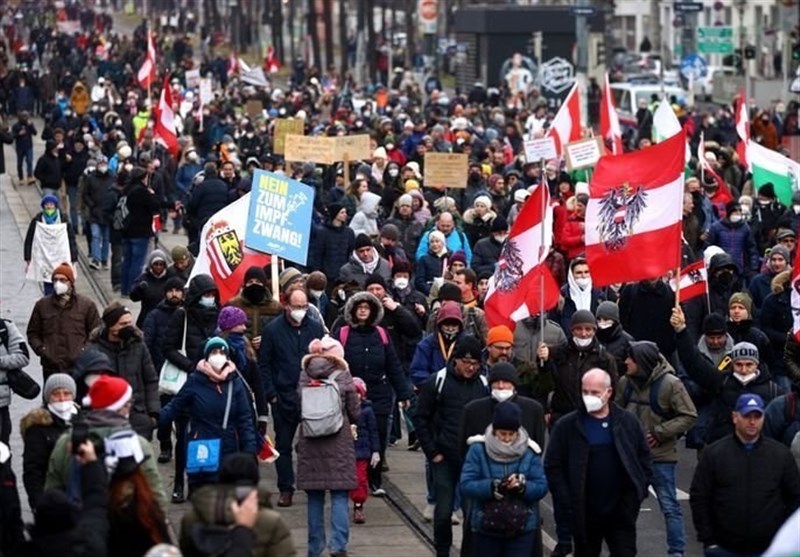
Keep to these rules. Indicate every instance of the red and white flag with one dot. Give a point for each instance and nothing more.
(724, 192)
(233, 65)
(694, 281)
(271, 63)
(742, 129)
(522, 280)
(566, 125)
(795, 298)
(633, 219)
(609, 120)
(222, 252)
(164, 130)
(147, 73)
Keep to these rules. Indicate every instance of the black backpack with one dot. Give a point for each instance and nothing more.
(655, 388)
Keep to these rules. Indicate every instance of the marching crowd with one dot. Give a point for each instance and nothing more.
(383, 331)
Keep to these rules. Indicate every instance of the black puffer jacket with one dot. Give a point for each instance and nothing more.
(95, 196)
(644, 311)
(207, 198)
(142, 205)
(616, 342)
(155, 331)
(331, 247)
(567, 364)
(372, 359)
(723, 388)
(201, 324)
(40, 429)
(776, 319)
(485, 255)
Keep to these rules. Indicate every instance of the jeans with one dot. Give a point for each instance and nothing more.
(72, 195)
(25, 156)
(286, 423)
(445, 482)
(664, 485)
(340, 522)
(101, 234)
(133, 259)
(518, 546)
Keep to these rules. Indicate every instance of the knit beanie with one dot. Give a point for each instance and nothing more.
(288, 276)
(230, 317)
(361, 387)
(59, 381)
(499, 333)
(507, 417)
(780, 249)
(405, 199)
(646, 355)
(390, 232)
(743, 299)
(468, 347)
(179, 252)
(503, 371)
(215, 343)
(582, 317)
(450, 291)
(257, 273)
(375, 278)
(326, 346)
(459, 257)
(174, 283)
(108, 392)
(608, 311)
(744, 351)
(334, 209)
(49, 198)
(65, 269)
(714, 324)
(363, 241)
(499, 224)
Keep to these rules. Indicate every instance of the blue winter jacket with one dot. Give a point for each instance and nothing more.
(368, 441)
(480, 470)
(737, 241)
(428, 358)
(204, 402)
(455, 241)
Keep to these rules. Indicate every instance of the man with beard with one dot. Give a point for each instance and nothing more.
(155, 330)
(256, 301)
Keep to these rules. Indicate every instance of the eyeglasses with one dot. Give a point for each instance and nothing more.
(469, 363)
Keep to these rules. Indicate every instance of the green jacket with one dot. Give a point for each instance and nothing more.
(103, 423)
(211, 516)
(674, 401)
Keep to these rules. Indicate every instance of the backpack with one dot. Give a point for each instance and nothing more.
(321, 407)
(121, 214)
(655, 388)
(344, 332)
(441, 375)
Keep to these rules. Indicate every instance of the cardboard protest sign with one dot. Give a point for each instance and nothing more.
(446, 169)
(284, 127)
(583, 153)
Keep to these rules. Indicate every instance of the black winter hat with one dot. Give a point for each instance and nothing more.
(507, 416)
(362, 241)
(174, 283)
(255, 272)
(375, 278)
(449, 291)
(503, 371)
(582, 317)
(55, 513)
(239, 469)
(608, 311)
(499, 224)
(767, 190)
(714, 324)
(468, 347)
(334, 209)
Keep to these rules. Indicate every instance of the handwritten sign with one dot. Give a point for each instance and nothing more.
(192, 79)
(583, 153)
(284, 127)
(354, 146)
(206, 93)
(446, 169)
(253, 108)
(279, 219)
(538, 149)
(314, 149)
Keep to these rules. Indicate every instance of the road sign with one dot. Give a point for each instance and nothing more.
(587, 11)
(688, 7)
(717, 40)
(693, 66)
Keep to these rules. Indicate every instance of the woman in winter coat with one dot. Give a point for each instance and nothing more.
(419, 206)
(204, 398)
(433, 264)
(503, 467)
(352, 196)
(570, 236)
(328, 463)
(40, 429)
(372, 357)
(365, 221)
(478, 219)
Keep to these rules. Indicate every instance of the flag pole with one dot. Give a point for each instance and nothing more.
(273, 267)
(702, 162)
(541, 275)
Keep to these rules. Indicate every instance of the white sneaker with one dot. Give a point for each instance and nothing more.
(454, 519)
(380, 492)
(427, 514)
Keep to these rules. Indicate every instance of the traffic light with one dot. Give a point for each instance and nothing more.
(796, 51)
(750, 52)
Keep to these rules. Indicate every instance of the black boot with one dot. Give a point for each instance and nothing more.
(177, 492)
(166, 453)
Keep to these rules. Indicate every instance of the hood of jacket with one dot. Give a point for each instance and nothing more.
(646, 355)
(37, 416)
(781, 281)
(198, 286)
(320, 366)
(369, 204)
(375, 316)
(719, 261)
(91, 359)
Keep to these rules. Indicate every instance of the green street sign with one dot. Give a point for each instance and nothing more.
(715, 40)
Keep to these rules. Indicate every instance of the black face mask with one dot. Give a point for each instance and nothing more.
(255, 293)
(126, 333)
(725, 279)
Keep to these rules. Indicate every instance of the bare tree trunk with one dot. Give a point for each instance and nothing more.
(327, 14)
(343, 42)
(371, 52)
(312, 31)
(411, 35)
(277, 30)
(292, 12)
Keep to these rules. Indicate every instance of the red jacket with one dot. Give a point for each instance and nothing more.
(570, 240)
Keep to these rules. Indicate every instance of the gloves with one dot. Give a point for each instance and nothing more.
(496, 487)
(375, 460)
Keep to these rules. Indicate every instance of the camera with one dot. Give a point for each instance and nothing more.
(81, 434)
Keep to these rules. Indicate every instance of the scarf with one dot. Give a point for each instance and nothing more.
(372, 265)
(216, 376)
(55, 219)
(582, 298)
(501, 452)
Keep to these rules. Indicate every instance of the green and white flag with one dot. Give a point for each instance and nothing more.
(769, 166)
(665, 123)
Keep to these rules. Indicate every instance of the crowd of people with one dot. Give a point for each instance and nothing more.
(383, 331)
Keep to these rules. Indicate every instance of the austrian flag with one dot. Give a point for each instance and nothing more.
(633, 219)
(694, 281)
(796, 295)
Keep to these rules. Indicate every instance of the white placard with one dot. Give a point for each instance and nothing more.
(192, 79)
(538, 149)
(206, 94)
(583, 153)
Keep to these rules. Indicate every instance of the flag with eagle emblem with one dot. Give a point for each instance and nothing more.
(633, 219)
(694, 281)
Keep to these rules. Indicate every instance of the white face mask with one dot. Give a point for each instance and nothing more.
(502, 395)
(317, 293)
(393, 173)
(298, 315)
(735, 218)
(581, 342)
(217, 361)
(63, 409)
(401, 283)
(592, 403)
(796, 209)
(60, 288)
(208, 301)
(603, 324)
(583, 283)
(745, 379)
(501, 238)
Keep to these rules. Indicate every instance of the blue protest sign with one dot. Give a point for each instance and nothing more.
(693, 66)
(279, 219)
